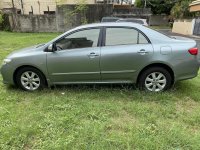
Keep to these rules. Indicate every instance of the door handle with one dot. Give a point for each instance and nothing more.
(92, 55)
(142, 52)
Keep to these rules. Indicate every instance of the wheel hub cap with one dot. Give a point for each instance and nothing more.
(155, 82)
(30, 80)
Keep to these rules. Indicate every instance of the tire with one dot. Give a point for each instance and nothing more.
(30, 79)
(155, 79)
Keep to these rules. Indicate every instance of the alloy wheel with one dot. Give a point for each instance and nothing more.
(155, 82)
(30, 80)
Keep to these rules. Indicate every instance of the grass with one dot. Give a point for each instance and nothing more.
(96, 116)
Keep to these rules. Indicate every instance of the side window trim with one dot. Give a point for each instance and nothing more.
(82, 29)
(101, 37)
(138, 37)
(139, 31)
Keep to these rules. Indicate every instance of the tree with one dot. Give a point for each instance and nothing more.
(139, 3)
(157, 6)
(181, 9)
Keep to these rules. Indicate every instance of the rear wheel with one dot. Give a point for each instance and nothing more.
(30, 79)
(155, 79)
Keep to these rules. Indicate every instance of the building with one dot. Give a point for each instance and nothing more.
(29, 6)
(1, 4)
(195, 6)
(43, 6)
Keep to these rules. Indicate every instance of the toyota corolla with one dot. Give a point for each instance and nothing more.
(104, 53)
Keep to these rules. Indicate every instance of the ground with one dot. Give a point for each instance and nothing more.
(96, 116)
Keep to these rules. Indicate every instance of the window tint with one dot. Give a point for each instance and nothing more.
(80, 39)
(121, 36)
(142, 39)
(124, 36)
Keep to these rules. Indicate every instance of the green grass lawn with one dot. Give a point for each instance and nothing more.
(96, 117)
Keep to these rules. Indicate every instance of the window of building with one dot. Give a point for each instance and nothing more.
(49, 12)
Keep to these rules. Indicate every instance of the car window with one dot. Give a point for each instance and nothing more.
(80, 39)
(121, 36)
(142, 39)
(124, 36)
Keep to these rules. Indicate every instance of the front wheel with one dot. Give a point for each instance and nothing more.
(155, 79)
(30, 79)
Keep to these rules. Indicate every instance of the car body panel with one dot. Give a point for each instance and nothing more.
(121, 62)
(75, 65)
(115, 64)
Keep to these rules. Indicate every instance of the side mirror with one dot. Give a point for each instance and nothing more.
(50, 48)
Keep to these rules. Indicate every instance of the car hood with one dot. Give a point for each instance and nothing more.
(24, 51)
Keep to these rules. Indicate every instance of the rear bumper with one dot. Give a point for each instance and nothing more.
(7, 72)
(186, 70)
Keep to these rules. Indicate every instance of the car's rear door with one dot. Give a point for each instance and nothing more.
(77, 58)
(124, 52)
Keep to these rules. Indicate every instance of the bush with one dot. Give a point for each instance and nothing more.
(4, 22)
(1, 18)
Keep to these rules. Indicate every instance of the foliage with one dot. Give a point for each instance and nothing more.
(139, 3)
(1, 18)
(4, 22)
(181, 9)
(79, 11)
(95, 117)
(177, 8)
(157, 6)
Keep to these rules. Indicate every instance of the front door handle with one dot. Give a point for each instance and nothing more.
(92, 55)
(142, 52)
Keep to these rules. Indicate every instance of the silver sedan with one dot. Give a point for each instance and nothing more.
(104, 53)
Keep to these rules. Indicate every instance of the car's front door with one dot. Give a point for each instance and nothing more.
(76, 58)
(126, 50)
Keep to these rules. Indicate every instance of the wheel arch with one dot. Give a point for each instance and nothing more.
(165, 66)
(20, 67)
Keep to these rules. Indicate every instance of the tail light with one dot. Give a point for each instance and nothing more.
(193, 51)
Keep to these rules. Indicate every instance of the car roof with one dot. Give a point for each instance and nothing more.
(107, 24)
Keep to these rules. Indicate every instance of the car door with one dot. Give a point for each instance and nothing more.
(76, 58)
(126, 50)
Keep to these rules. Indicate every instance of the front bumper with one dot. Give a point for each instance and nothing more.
(7, 72)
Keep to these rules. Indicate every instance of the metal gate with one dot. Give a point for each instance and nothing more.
(197, 27)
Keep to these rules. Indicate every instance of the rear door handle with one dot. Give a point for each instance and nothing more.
(142, 52)
(92, 55)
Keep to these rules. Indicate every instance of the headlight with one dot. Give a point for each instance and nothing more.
(6, 61)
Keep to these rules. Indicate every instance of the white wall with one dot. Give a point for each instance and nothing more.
(185, 26)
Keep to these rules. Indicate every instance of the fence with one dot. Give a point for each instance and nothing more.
(185, 26)
(157, 20)
(64, 19)
(33, 23)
